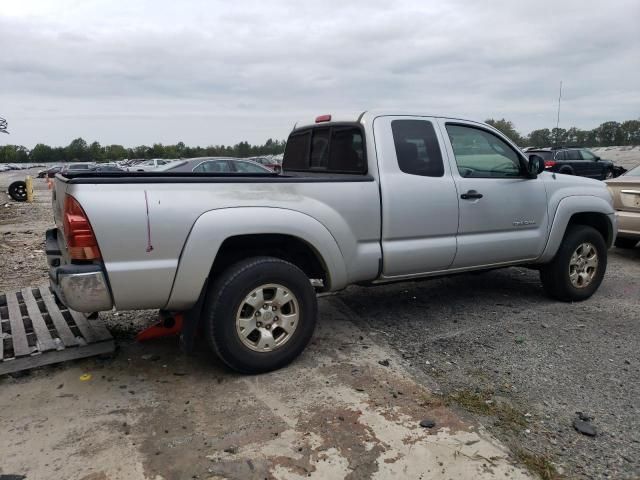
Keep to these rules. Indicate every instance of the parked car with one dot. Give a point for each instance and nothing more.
(148, 165)
(49, 172)
(366, 200)
(107, 167)
(626, 200)
(574, 161)
(77, 167)
(4, 168)
(267, 162)
(215, 165)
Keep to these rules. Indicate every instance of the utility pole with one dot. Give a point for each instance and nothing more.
(558, 118)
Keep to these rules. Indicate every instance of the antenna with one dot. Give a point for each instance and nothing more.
(558, 118)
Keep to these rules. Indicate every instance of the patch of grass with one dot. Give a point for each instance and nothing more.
(538, 464)
(481, 403)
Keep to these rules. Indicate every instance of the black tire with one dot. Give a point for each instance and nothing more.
(608, 173)
(18, 191)
(623, 242)
(555, 275)
(227, 294)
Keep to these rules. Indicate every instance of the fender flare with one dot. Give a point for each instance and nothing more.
(567, 207)
(213, 227)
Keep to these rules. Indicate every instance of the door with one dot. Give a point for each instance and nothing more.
(503, 214)
(575, 161)
(593, 166)
(419, 199)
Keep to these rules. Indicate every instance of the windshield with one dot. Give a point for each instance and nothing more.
(634, 172)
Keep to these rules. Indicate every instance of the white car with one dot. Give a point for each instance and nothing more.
(148, 165)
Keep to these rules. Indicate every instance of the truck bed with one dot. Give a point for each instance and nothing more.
(159, 232)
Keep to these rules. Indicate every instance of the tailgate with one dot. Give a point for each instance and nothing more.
(57, 200)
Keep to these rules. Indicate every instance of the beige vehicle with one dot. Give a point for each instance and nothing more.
(626, 200)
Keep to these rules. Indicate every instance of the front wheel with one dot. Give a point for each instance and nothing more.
(577, 270)
(260, 314)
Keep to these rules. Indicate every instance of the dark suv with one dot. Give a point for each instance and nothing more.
(574, 161)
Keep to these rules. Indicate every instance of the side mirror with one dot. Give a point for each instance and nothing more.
(598, 158)
(535, 166)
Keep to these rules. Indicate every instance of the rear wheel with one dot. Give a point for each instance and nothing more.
(622, 242)
(577, 270)
(260, 314)
(608, 173)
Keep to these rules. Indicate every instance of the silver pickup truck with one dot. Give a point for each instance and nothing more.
(371, 199)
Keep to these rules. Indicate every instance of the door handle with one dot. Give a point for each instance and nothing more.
(470, 195)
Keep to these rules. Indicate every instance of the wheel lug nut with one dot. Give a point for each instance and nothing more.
(259, 324)
(268, 327)
(274, 308)
(265, 306)
(275, 319)
(257, 314)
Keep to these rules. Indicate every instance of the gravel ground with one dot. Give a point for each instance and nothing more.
(496, 338)
(492, 345)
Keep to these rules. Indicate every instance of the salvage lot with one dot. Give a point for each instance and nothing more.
(491, 346)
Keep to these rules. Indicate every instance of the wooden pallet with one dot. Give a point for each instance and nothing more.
(36, 330)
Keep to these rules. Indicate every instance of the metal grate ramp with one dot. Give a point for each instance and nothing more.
(36, 330)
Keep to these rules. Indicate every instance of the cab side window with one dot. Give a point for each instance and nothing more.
(417, 148)
(587, 155)
(481, 154)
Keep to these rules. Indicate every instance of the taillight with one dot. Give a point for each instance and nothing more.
(81, 241)
(549, 163)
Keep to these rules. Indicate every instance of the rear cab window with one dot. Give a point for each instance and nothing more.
(337, 148)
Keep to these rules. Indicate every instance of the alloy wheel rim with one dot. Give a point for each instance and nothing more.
(583, 265)
(267, 317)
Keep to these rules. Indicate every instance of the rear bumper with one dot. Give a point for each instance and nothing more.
(628, 224)
(83, 288)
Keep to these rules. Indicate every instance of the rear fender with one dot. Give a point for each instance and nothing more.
(212, 228)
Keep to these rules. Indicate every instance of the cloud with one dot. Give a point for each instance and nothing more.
(220, 72)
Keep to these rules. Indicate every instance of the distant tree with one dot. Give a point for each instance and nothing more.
(95, 152)
(631, 132)
(559, 136)
(115, 152)
(77, 151)
(506, 127)
(540, 138)
(41, 153)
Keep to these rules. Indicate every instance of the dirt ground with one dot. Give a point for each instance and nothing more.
(486, 356)
(345, 409)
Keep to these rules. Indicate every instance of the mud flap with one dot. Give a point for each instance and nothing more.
(191, 322)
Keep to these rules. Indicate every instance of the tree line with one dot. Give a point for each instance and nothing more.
(81, 151)
(608, 134)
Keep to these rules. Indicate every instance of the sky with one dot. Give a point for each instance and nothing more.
(218, 72)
